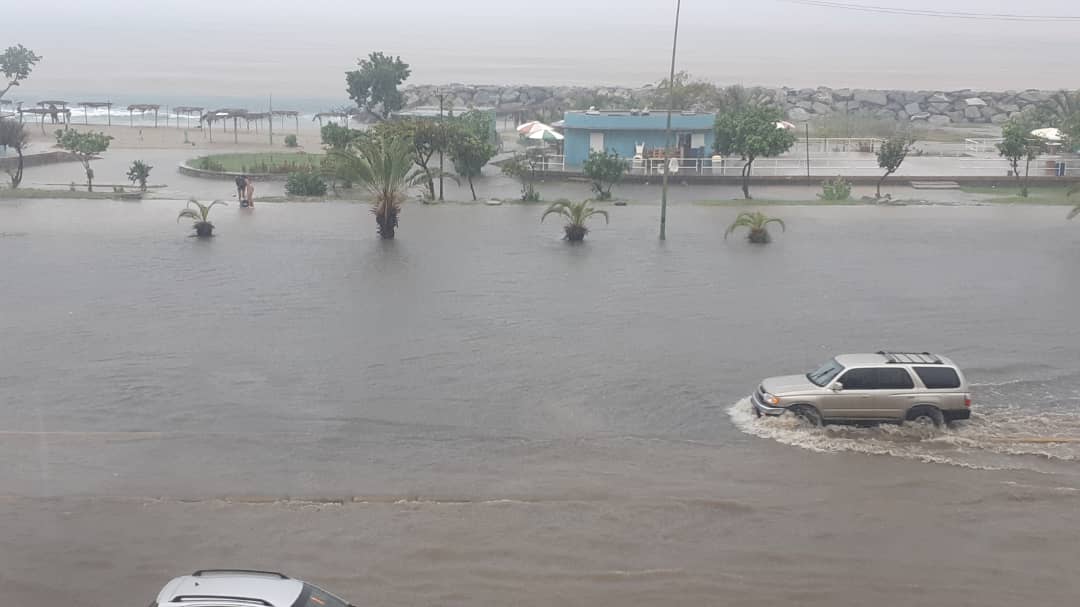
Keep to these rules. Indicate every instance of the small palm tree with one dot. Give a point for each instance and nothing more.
(202, 225)
(576, 214)
(384, 167)
(1075, 210)
(139, 173)
(757, 223)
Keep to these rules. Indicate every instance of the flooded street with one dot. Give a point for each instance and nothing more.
(479, 413)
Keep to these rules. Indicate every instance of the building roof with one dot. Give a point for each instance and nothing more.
(634, 120)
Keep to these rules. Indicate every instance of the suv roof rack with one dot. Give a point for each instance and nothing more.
(221, 597)
(203, 572)
(911, 358)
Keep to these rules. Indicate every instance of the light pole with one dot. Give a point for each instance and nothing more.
(667, 131)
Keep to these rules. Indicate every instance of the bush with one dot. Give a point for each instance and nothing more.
(835, 189)
(207, 164)
(290, 141)
(306, 183)
(605, 169)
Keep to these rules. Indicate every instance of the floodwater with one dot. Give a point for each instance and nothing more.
(479, 413)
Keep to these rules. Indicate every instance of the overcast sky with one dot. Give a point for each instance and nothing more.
(301, 48)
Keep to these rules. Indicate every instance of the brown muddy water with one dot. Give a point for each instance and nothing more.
(481, 414)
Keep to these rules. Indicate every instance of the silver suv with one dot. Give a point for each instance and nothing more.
(242, 588)
(884, 387)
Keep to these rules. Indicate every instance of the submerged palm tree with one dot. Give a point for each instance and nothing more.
(384, 167)
(757, 223)
(203, 227)
(576, 214)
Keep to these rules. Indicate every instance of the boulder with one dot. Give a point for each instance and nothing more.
(972, 113)
(912, 108)
(805, 104)
(854, 106)
(843, 95)
(1009, 107)
(821, 108)
(939, 107)
(798, 115)
(485, 98)
(939, 120)
(957, 116)
(987, 112)
(939, 98)
(924, 116)
(999, 118)
(871, 97)
(1032, 96)
(512, 95)
(823, 97)
(974, 102)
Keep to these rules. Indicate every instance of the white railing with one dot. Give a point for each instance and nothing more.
(826, 145)
(978, 146)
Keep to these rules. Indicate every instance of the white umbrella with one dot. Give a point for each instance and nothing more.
(544, 135)
(784, 124)
(537, 128)
(1048, 134)
(527, 127)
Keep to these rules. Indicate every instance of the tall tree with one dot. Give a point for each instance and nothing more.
(751, 133)
(374, 86)
(426, 138)
(1018, 144)
(85, 146)
(15, 136)
(891, 155)
(470, 153)
(16, 63)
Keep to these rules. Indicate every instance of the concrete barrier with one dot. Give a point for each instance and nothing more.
(191, 171)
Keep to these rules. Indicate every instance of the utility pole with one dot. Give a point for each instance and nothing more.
(807, 152)
(667, 132)
(442, 131)
(271, 119)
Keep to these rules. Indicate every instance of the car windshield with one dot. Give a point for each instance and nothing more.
(313, 596)
(825, 373)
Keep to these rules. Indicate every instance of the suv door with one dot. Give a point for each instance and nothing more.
(871, 393)
(894, 392)
(854, 400)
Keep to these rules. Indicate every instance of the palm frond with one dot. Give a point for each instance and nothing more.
(190, 214)
(592, 212)
(560, 207)
(1074, 212)
(783, 228)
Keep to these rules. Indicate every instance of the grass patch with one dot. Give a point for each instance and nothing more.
(262, 162)
(38, 193)
(1036, 195)
(767, 202)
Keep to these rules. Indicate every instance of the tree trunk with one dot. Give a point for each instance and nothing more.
(16, 179)
(880, 181)
(89, 177)
(472, 189)
(746, 180)
(1027, 172)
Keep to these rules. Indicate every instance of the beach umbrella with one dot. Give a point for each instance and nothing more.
(1048, 134)
(527, 127)
(544, 135)
(784, 124)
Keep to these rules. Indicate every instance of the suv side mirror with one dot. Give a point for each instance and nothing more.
(837, 387)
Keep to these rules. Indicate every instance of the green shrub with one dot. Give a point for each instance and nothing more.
(305, 183)
(290, 141)
(207, 164)
(835, 189)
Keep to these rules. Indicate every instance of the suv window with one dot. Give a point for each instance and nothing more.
(938, 378)
(895, 378)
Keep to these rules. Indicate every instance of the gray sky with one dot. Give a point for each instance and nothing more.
(290, 47)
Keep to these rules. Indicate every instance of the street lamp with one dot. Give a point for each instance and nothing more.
(667, 131)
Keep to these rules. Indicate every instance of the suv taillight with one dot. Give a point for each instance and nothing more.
(967, 400)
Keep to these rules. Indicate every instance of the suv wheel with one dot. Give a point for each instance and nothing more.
(807, 414)
(926, 415)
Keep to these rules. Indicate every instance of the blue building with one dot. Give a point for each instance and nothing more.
(633, 133)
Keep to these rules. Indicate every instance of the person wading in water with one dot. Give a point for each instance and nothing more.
(241, 183)
(249, 191)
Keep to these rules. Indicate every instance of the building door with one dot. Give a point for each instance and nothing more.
(697, 140)
(596, 142)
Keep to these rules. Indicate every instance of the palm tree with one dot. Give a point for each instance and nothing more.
(1075, 210)
(757, 223)
(139, 173)
(16, 137)
(202, 225)
(384, 167)
(576, 214)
